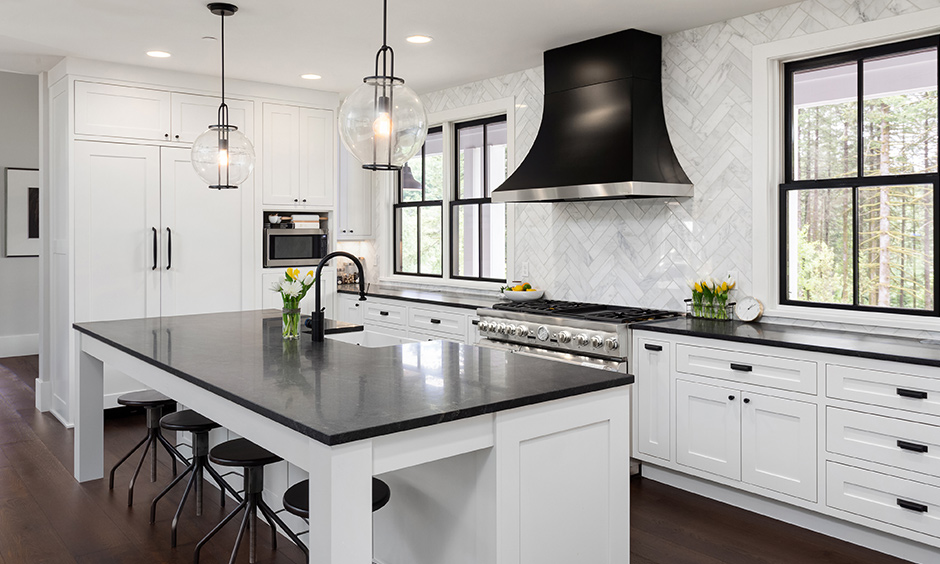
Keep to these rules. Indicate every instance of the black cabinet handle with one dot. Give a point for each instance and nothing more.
(305, 200)
(912, 446)
(474, 322)
(350, 230)
(154, 248)
(650, 347)
(913, 506)
(741, 367)
(747, 400)
(916, 394)
(177, 136)
(169, 248)
(436, 321)
(731, 398)
(166, 135)
(295, 199)
(383, 313)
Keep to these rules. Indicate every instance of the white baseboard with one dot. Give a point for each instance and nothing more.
(19, 345)
(824, 524)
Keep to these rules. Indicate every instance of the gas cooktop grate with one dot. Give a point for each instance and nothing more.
(578, 310)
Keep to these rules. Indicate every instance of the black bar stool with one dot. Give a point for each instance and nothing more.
(153, 402)
(297, 497)
(253, 459)
(199, 426)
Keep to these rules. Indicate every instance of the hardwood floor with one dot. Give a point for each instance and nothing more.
(47, 517)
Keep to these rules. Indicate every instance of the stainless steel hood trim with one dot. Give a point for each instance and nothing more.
(608, 191)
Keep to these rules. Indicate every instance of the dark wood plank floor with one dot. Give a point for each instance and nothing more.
(47, 517)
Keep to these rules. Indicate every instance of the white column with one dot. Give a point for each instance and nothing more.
(341, 503)
(88, 415)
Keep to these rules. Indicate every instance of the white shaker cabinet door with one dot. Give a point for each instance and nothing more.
(778, 445)
(708, 428)
(192, 115)
(355, 198)
(201, 237)
(316, 157)
(281, 185)
(653, 413)
(117, 223)
(121, 111)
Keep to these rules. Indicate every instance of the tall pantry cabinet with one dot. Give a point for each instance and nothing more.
(133, 230)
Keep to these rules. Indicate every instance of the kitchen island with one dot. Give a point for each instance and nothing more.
(548, 442)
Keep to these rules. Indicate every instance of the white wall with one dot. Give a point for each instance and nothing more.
(19, 276)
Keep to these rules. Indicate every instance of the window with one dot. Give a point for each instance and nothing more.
(461, 180)
(418, 215)
(859, 198)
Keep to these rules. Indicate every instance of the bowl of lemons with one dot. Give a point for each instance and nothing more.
(522, 293)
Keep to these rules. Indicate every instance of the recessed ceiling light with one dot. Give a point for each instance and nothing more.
(419, 39)
(158, 54)
(311, 76)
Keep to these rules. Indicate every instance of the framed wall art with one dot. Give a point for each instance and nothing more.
(22, 212)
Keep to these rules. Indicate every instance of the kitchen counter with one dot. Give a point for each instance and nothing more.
(444, 298)
(849, 343)
(336, 392)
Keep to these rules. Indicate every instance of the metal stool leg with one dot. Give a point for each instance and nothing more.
(166, 490)
(130, 488)
(126, 456)
(216, 529)
(290, 534)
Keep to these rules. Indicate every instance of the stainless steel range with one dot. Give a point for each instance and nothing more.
(594, 335)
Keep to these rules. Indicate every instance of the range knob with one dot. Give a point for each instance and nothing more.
(564, 337)
(483, 326)
(582, 340)
(522, 331)
(502, 329)
(513, 330)
(612, 344)
(542, 333)
(597, 342)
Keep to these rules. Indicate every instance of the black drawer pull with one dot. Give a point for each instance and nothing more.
(913, 506)
(383, 313)
(650, 347)
(912, 446)
(475, 322)
(916, 394)
(741, 367)
(436, 321)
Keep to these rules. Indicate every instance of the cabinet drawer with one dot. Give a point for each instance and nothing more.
(438, 321)
(882, 497)
(770, 371)
(894, 442)
(387, 314)
(888, 389)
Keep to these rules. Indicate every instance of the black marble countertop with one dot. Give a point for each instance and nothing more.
(336, 392)
(450, 299)
(849, 343)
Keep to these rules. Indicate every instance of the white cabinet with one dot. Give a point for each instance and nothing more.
(355, 198)
(762, 440)
(298, 157)
(121, 111)
(126, 112)
(417, 321)
(653, 413)
(349, 309)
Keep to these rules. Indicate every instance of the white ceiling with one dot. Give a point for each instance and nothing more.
(277, 40)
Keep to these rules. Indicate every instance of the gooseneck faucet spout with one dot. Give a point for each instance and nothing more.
(317, 316)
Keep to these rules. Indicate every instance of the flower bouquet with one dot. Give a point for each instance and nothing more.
(710, 298)
(292, 288)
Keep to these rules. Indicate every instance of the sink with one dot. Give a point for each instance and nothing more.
(368, 339)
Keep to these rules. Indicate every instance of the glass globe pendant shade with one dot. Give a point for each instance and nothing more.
(223, 156)
(383, 123)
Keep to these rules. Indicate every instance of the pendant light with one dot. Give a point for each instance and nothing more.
(383, 123)
(223, 156)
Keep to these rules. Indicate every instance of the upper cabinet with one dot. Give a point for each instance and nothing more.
(355, 198)
(298, 157)
(125, 112)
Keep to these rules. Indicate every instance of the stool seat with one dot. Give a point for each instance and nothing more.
(188, 420)
(296, 498)
(145, 398)
(242, 452)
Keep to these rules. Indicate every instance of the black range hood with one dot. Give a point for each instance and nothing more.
(603, 133)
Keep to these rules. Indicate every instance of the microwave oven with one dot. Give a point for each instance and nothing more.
(294, 247)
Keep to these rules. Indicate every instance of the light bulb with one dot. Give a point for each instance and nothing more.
(223, 157)
(382, 125)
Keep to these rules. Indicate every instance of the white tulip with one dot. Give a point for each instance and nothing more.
(308, 279)
(276, 287)
(292, 289)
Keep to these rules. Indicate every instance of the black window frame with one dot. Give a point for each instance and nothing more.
(456, 201)
(857, 56)
(400, 204)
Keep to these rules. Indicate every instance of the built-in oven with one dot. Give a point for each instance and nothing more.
(294, 247)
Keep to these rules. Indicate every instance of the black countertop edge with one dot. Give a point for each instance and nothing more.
(422, 296)
(859, 352)
(342, 438)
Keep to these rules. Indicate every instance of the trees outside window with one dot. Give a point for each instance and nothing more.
(858, 203)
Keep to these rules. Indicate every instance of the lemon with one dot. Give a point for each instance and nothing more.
(517, 288)
(530, 290)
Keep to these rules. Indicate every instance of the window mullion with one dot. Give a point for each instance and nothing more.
(855, 247)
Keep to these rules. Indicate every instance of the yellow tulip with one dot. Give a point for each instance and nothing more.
(310, 273)
(724, 286)
(698, 287)
(731, 287)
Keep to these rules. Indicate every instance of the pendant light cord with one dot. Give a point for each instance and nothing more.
(222, 16)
